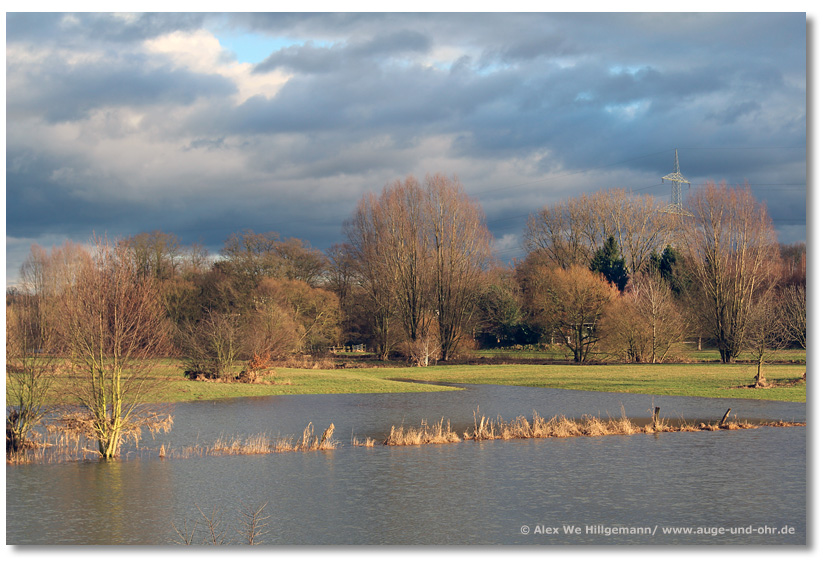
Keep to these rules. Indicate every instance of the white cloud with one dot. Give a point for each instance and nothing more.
(201, 52)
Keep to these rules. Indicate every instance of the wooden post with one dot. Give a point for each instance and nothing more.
(726, 416)
(656, 418)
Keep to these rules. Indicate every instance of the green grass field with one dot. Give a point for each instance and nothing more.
(699, 379)
(289, 382)
(689, 355)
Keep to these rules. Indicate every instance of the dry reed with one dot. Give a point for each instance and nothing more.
(365, 442)
(261, 444)
(76, 444)
(540, 428)
(424, 435)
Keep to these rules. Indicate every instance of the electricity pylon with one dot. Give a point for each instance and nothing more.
(676, 204)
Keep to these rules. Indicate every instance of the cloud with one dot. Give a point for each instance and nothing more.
(130, 123)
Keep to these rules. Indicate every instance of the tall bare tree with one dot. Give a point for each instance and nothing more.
(155, 253)
(113, 324)
(426, 246)
(371, 275)
(732, 254)
(570, 233)
(388, 235)
(461, 255)
(557, 232)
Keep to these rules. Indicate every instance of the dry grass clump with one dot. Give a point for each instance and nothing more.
(782, 423)
(424, 435)
(54, 448)
(623, 426)
(733, 425)
(541, 428)
(365, 442)
(594, 427)
(261, 444)
(591, 426)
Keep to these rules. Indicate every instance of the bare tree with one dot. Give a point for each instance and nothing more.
(426, 246)
(572, 302)
(646, 325)
(210, 527)
(315, 311)
(793, 313)
(558, 233)
(113, 324)
(212, 345)
(249, 257)
(155, 254)
(253, 523)
(371, 275)
(32, 346)
(29, 371)
(461, 253)
(301, 261)
(569, 234)
(341, 273)
(765, 332)
(732, 254)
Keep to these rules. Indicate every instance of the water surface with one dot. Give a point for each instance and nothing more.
(464, 493)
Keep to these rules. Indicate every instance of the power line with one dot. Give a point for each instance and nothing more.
(512, 217)
(568, 174)
(630, 159)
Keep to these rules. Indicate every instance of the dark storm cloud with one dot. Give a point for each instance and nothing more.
(82, 28)
(734, 112)
(63, 92)
(37, 202)
(575, 102)
(312, 58)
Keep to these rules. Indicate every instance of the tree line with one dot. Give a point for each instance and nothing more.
(607, 275)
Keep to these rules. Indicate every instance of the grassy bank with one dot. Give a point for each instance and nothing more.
(292, 382)
(685, 355)
(698, 380)
(688, 379)
(170, 385)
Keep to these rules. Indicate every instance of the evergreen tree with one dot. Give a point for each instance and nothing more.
(608, 262)
(667, 264)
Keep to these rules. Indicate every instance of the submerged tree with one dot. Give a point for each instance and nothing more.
(32, 343)
(112, 324)
(28, 369)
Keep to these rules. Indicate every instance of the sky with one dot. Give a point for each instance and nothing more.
(203, 125)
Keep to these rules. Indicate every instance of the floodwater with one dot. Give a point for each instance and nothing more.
(729, 487)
